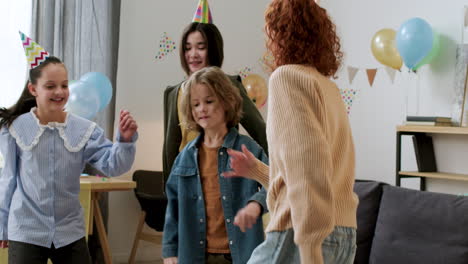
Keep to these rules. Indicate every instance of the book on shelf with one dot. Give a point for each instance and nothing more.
(427, 123)
(429, 119)
(424, 151)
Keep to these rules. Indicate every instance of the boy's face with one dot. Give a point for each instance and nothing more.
(207, 110)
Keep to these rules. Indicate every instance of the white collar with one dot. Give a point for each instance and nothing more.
(75, 131)
(50, 124)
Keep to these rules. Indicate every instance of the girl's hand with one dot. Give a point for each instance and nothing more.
(127, 126)
(247, 216)
(241, 163)
(172, 260)
(3, 243)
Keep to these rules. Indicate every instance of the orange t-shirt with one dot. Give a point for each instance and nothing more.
(216, 234)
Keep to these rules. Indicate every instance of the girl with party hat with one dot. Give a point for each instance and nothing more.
(45, 150)
(201, 46)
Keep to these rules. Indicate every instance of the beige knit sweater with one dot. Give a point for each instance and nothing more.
(311, 174)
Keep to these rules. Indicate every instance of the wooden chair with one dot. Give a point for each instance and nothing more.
(153, 202)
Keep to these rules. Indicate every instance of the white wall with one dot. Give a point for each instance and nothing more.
(376, 111)
(14, 16)
(141, 82)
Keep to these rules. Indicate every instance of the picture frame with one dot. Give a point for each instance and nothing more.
(459, 106)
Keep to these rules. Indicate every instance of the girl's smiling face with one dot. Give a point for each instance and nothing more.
(196, 52)
(51, 89)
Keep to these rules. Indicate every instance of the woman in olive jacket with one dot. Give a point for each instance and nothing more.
(202, 46)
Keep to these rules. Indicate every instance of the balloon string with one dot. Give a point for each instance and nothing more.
(417, 93)
(407, 101)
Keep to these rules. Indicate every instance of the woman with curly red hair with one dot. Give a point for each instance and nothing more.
(311, 174)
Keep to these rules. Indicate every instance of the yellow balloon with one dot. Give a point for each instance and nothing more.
(384, 48)
(257, 90)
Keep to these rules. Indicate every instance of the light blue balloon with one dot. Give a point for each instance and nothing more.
(414, 41)
(83, 100)
(101, 84)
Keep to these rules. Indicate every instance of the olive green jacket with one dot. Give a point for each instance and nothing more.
(251, 120)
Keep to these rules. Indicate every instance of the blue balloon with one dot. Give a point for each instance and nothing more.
(83, 100)
(414, 41)
(101, 84)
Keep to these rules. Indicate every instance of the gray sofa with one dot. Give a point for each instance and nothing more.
(399, 226)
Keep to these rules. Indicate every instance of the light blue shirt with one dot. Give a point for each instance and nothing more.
(40, 181)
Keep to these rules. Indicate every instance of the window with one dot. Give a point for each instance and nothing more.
(14, 16)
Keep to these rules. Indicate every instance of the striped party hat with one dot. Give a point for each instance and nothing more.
(35, 53)
(203, 13)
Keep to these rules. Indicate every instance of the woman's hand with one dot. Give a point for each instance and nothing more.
(241, 163)
(172, 260)
(247, 216)
(3, 243)
(127, 126)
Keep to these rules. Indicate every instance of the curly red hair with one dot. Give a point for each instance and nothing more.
(301, 32)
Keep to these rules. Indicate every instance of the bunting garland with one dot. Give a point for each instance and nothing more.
(370, 73)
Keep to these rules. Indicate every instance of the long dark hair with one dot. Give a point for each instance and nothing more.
(26, 100)
(214, 44)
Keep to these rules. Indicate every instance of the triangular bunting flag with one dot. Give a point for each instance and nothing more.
(34, 53)
(352, 71)
(391, 73)
(166, 46)
(348, 96)
(203, 13)
(371, 75)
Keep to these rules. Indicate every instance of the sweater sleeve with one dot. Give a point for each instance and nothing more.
(303, 157)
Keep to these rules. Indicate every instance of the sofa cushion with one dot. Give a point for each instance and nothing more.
(369, 193)
(420, 227)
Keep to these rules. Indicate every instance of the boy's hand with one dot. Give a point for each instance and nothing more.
(172, 260)
(241, 163)
(247, 216)
(127, 126)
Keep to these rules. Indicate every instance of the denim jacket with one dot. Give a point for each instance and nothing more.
(185, 228)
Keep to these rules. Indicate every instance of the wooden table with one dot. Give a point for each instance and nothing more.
(93, 186)
(98, 185)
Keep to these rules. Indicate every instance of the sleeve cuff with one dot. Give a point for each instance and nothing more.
(261, 174)
(133, 140)
(260, 198)
(169, 251)
(3, 235)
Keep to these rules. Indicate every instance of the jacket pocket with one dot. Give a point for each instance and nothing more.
(188, 182)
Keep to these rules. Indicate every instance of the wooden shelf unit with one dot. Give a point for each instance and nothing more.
(414, 130)
(434, 129)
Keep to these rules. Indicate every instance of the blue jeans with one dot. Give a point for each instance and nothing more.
(279, 247)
